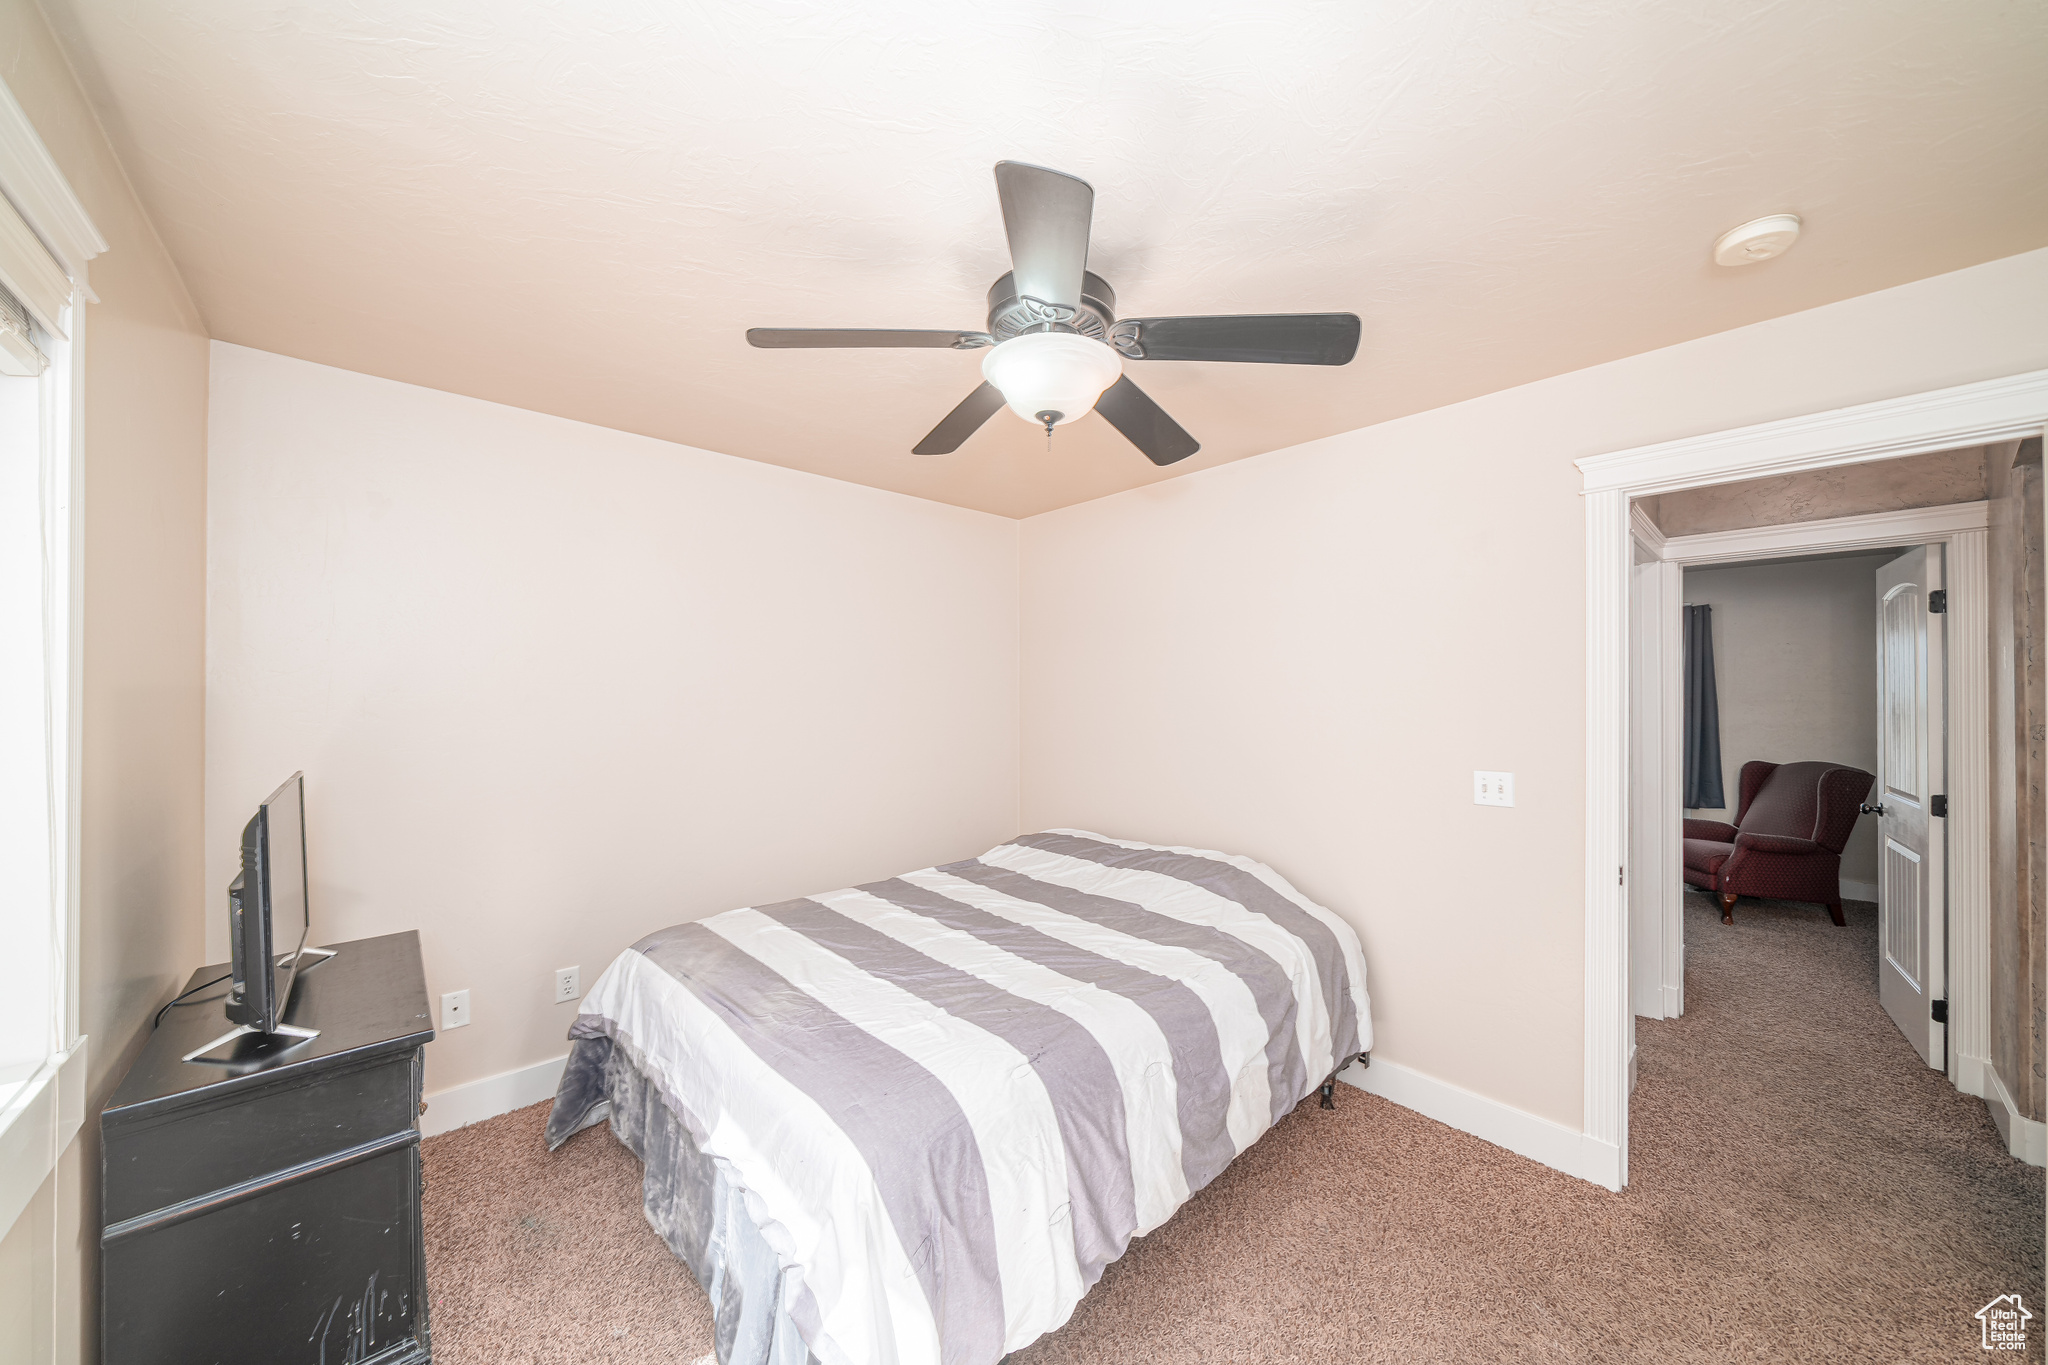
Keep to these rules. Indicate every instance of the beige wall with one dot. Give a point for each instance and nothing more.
(145, 560)
(26, 1288)
(1795, 668)
(47, 1264)
(1303, 655)
(555, 686)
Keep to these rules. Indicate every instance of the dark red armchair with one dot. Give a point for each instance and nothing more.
(1786, 842)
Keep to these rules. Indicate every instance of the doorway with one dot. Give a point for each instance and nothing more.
(1814, 717)
(1977, 414)
(1938, 884)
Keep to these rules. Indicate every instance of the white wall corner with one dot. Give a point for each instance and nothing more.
(1858, 891)
(2025, 1138)
(1525, 1134)
(461, 1105)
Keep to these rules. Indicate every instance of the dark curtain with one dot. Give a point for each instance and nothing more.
(1702, 715)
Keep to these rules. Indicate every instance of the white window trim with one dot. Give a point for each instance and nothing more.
(36, 1125)
(30, 179)
(40, 1116)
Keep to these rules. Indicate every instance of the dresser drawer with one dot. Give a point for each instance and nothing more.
(182, 1155)
(318, 1271)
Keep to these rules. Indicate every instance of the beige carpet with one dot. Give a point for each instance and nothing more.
(1802, 1190)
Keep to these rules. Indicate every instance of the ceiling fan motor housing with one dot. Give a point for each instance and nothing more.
(1012, 315)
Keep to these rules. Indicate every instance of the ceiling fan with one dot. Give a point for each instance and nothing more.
(1057, 346)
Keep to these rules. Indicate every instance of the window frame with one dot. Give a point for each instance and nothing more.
(39, 1115)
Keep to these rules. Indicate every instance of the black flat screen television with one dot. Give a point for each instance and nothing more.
(267, 910)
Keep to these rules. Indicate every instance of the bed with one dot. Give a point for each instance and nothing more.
(909, 1123)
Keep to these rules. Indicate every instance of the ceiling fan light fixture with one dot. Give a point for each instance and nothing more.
(1051, 378)
(1065, 349)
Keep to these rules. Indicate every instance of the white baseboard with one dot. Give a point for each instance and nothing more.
(1539, 1139)
(1968, 1074)
(2025, 1138)
(1858, 891)
(461, 1105)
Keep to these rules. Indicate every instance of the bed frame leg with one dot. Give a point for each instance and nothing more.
(1328, 1089)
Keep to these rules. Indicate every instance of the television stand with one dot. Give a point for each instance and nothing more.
(296, 1034)
(266, 1211)
(291, 1031)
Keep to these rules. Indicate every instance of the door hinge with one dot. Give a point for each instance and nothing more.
(1938, 805)
(1939, 1009)
(1621, 876)
(1937, 601)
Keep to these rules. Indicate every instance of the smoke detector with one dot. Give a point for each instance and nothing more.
(1758, 240)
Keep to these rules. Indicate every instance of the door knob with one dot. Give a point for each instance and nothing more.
(1877, 810)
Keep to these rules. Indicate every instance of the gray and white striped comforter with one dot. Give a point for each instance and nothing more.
(951, 1098)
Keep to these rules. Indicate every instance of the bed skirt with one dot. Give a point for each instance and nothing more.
(694, 1205)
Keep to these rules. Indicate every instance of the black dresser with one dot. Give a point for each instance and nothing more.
(265, 1210)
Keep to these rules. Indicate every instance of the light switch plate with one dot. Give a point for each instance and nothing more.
(455, 1009)
(567, 985)
(1493, 789)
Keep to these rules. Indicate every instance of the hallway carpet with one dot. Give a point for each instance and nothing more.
(1802, 1189)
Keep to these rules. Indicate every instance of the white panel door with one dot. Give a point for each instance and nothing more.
(1912, 969)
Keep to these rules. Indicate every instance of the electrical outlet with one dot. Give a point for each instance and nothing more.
(454, 1009)
(566, 983)
(1493, 789)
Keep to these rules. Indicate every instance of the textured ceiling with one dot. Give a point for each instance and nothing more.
(579, 207)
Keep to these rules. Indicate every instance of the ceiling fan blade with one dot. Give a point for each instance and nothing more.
(1257, 338)
(835, 338)
(962, 422)
(1145, 424)
(1046, 215)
